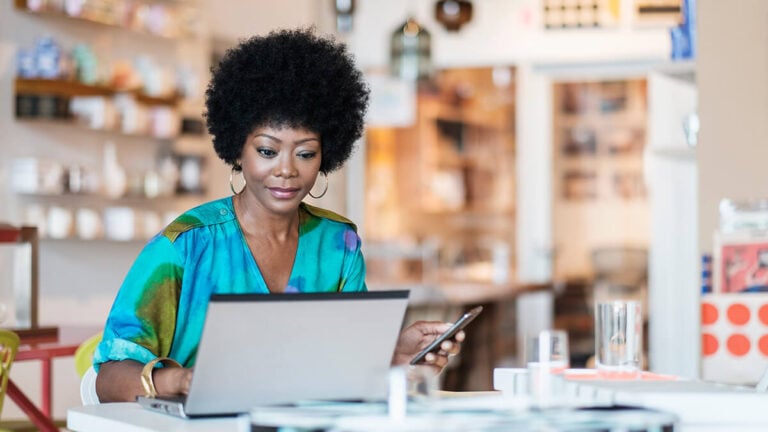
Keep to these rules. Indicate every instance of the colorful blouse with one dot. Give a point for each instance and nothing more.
(161, 305)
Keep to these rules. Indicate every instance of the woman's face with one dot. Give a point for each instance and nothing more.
(280, 166)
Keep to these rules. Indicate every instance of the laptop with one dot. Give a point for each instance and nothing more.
(274, 349)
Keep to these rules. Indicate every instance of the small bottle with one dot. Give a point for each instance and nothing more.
(115, 180)
(48, 58)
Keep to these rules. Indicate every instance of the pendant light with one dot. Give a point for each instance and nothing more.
(453, 14)
(411, 51)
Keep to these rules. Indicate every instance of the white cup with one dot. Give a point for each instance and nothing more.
(59, 222)
(88, 224)
(618, 339)
(119, 223)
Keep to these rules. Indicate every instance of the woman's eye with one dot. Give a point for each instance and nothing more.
(307, 155)
(266, 152)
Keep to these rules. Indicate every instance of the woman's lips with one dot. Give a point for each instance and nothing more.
(283, 193)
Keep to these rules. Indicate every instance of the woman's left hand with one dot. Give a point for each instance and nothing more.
(420, 334)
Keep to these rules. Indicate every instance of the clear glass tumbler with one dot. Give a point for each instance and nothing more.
(618, 338)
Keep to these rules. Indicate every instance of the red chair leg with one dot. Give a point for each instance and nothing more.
(39, 419)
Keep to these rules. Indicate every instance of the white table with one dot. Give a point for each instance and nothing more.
(700, 406)
(130, 417)
(457, 415)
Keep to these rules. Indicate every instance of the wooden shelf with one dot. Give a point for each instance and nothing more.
(72, 122)
(68, 88)
(173, 31)
(132, 242)
(101, 200)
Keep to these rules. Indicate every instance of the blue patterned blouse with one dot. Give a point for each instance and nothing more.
(161, 306)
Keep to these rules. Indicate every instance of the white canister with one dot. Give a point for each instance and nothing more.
(59, 222)
(119, 223)
(88, 225)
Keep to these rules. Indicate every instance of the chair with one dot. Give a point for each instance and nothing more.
(9, 345)
(19, 281)
(84, 367)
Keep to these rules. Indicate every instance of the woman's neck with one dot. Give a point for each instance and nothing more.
(257, 221)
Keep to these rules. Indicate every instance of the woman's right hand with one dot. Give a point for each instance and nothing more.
(119, 381)
(172, 380)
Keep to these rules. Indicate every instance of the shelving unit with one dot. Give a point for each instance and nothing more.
(103, 200)
(599, 196)
(75, 143)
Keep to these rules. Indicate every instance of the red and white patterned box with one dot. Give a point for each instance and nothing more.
(734, 337)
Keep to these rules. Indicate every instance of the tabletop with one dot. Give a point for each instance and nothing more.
(131, 417)
(477, 413)
(64, 343)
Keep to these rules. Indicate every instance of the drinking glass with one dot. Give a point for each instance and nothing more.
(547, 358)
(549, 349)
(618, 338)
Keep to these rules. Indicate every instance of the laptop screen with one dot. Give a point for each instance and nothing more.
(261, 349)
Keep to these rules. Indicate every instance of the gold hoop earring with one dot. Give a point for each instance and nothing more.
(322, 194)
(236, 167)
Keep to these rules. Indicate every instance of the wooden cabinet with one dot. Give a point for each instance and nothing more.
(599, 193)
(449, 177)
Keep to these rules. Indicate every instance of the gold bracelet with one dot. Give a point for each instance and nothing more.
(146, 374)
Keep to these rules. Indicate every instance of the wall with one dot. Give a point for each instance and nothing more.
(673, 279)
(732, 71)
(501, 32)
(231, 20)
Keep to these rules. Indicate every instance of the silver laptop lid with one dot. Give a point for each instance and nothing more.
(261, 349)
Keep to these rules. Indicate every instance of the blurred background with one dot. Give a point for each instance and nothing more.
(528, 155)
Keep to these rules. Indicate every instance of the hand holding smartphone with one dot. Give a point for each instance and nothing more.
(451, 332)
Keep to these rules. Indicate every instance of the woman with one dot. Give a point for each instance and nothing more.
(282, 109)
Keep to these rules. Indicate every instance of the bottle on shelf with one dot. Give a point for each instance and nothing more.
(115, 180)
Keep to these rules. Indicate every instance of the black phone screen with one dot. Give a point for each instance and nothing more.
(451, 332)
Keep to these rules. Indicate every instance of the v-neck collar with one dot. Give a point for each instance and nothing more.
(254, 267)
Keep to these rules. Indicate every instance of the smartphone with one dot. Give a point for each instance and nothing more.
(451, 332)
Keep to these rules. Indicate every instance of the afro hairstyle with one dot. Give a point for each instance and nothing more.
(288, 78)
